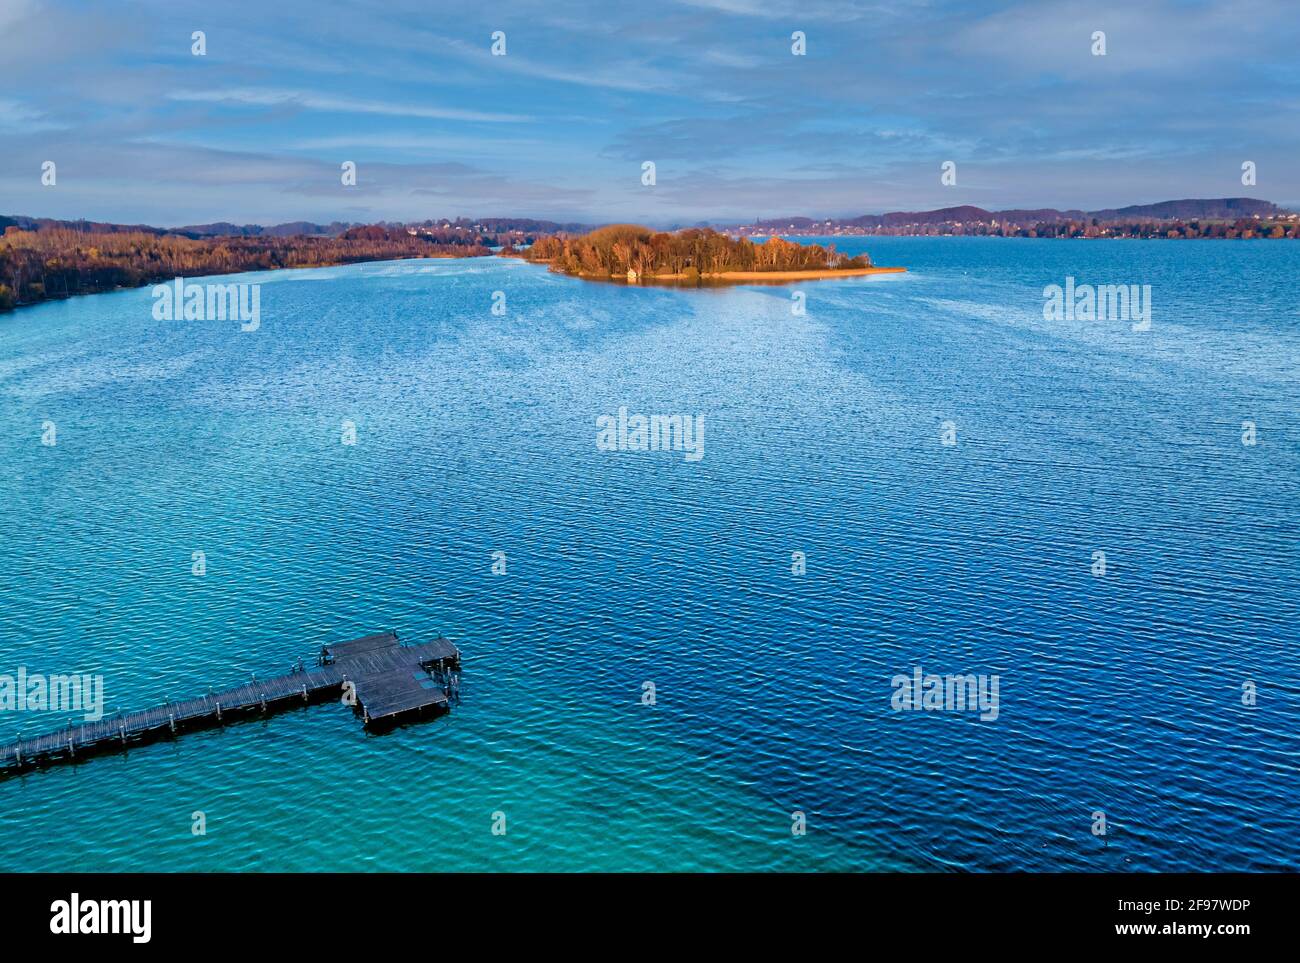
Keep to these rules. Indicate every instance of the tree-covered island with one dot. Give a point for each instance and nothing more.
(694, 256)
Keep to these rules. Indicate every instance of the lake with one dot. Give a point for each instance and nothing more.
(915, 472)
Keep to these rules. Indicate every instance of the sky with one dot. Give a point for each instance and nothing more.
(142, 130)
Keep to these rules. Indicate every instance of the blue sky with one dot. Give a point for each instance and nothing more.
(141, 130)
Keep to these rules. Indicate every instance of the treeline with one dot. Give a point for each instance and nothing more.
(58, 262)
(615, 250)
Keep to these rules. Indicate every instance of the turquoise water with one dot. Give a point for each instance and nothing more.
(476, 434)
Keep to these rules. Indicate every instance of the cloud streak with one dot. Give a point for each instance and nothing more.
(255, 97)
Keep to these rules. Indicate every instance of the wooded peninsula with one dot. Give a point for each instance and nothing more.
(58, 262)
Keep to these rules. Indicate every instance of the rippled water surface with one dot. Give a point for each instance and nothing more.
(476, 434)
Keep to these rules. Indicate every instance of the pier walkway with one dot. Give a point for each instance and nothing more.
(381, 677)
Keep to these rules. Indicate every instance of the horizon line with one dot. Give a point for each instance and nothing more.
(677, 225)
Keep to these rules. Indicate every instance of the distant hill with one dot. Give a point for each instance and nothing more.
(1021, 215)
(220, 229)
(97, 227)
(290, 229)
(1229, 208)
(941, 216)
(486, 225)
(1186, 210)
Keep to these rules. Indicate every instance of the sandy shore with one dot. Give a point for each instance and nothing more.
(779, 275)
(741, 277)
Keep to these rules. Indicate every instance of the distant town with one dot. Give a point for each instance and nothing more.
(1232, 217)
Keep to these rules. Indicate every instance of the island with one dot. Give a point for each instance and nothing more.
(696, 256)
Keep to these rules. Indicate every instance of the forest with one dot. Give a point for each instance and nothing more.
(614, 250)
(59, 262)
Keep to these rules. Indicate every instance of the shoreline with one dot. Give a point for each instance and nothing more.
(815, 274)
(734, 277)
(151, 281)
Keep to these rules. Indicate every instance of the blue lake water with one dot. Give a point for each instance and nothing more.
(823, 435)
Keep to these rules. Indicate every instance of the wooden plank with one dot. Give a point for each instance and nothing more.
(396, 691)
(346, 650)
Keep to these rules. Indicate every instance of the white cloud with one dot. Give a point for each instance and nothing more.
(269, 97)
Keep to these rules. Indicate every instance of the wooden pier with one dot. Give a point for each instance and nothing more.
(384, 680)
